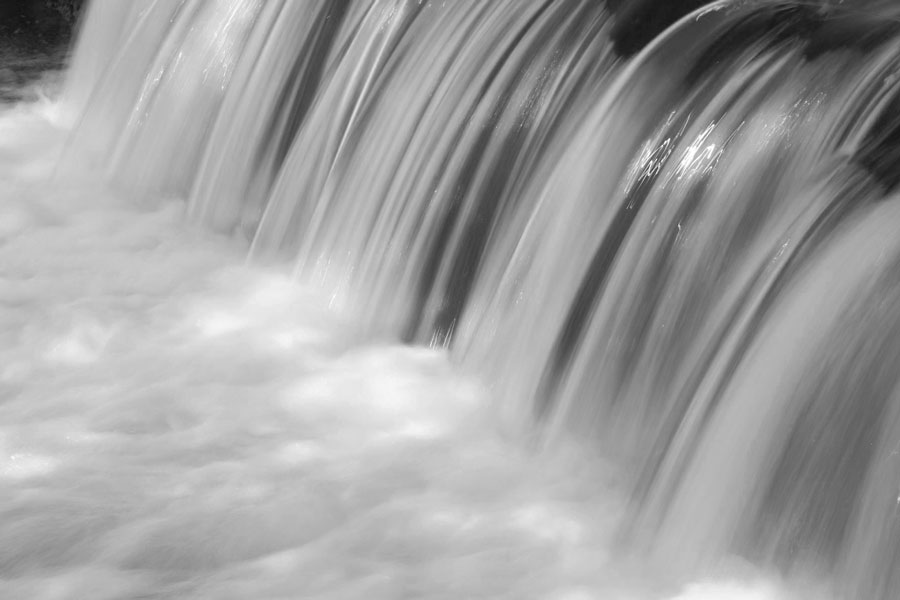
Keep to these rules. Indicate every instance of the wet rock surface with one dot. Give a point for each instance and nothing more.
(34, 40)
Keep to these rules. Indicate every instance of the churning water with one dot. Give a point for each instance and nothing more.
(460, 299)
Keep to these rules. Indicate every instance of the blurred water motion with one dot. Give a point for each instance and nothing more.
(542, 301)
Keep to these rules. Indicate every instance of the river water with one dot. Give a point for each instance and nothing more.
(397, 299)
(178, 424)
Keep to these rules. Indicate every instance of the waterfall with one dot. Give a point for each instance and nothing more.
(679, 246)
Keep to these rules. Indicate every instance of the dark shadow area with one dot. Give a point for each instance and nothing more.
(34, 38)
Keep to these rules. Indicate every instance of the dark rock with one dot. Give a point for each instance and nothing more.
(37, 25)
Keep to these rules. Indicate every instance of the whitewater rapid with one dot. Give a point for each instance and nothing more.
(177, 424)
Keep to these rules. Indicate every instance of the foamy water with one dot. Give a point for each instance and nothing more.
(176, 424)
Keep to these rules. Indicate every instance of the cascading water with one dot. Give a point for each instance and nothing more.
(664, 264)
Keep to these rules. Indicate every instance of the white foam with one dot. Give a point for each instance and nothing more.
(176, 424)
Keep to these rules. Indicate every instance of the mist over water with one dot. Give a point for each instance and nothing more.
(395, 299)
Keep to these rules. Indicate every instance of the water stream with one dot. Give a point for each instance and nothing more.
(470, 299)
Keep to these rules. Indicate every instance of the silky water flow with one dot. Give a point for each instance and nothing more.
(455, 299)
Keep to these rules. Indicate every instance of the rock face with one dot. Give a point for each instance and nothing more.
(34, 39)
(40, 25)
(68, 9)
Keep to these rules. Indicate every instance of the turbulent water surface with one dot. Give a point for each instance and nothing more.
(471, 299)
(176, 424)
